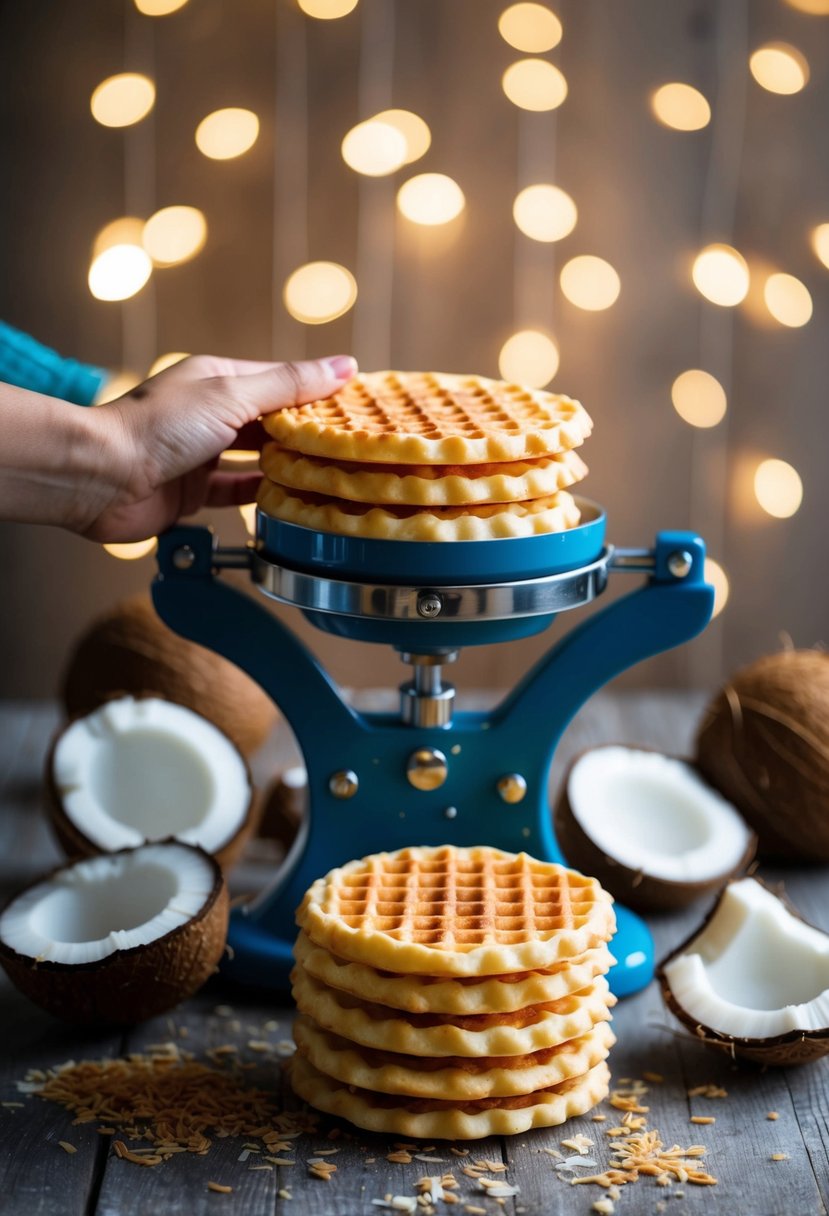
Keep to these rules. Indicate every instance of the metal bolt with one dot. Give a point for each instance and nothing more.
(512, 787)
(344, 784)
(184, 558)
(680, 562)
(427, 768)
(429, 604)
(451, 812)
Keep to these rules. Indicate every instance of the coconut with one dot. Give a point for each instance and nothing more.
(130, 650)
(764, 743)
(648, 827)
(144, 769)
(118, 938)
(753, 980)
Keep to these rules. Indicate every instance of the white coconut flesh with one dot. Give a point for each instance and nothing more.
(86, 912)
(755, 970)
(146, 769)
(655, 815)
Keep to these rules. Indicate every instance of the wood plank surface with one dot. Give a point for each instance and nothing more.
(38, 1178)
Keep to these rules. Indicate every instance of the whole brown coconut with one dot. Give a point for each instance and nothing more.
(130, 650)
(764, 743)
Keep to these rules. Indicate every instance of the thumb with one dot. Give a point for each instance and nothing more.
(287, 384)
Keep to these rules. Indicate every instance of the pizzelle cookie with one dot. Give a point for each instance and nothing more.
(431, 418)
(457, 1078)
(447, 1120)
(422, 485)
(449, 911)
(487, 521)
(470, 995)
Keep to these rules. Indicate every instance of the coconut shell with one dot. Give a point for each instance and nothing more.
(130, 650)
(76, 845)
(640, 891)
(129, 985)
(779, 1051)
(764, 744)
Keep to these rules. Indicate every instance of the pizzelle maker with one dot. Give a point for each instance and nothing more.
(428, 774)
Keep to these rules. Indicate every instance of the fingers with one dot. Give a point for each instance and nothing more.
(286, 384)
(204, 367)
(231, 489)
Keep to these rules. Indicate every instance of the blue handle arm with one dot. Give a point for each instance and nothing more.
(667, 611)
(208, 611)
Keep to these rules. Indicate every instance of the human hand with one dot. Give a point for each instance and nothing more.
(163, 439)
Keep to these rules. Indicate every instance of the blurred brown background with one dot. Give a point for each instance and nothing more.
(649, 198)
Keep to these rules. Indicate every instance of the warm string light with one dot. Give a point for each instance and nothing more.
(788, 300)
(327, 10)
(717, 577)
(120, 101)
(534, 84)
(681, 107)
(720, 274)
(531, 28)
(117, 386)
(430, 199)
(779, 67)
(132, 550)
(248, 514)
(820, 243)
(590, 283)
(778, 488)
(529, 357)
(159, 8)
(174, 235)
(699, 398)
(412, 127)
(319, 291)
(126, 230)
(226, 134)
(240, 456)
(544, 212)
(119, 272)
(374, 148)
(169, 360)
(815, 8)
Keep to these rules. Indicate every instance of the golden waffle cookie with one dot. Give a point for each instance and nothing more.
(423, 485)
(433, 1119)
(453, 1077)
(431, 418)
(428, 994)
(450, 911)
(436, 1034)
(492, 521)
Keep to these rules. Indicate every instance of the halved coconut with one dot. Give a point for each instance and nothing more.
(117, 938)
(649, 828)
(144, 769)
(753, 980)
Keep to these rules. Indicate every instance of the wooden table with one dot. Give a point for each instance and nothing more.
(37, 1178)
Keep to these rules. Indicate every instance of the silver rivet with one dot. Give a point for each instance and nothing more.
(184, 558)
(512, 787)
(427, 768)
(344, 784)
(451, 812)
(680, 563)
(429, 604)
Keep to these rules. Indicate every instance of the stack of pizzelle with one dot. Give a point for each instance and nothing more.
(453, 993)
(426, 456)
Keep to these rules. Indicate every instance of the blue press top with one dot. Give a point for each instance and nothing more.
(29, 364)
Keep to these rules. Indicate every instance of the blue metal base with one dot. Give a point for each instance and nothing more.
(519, 735)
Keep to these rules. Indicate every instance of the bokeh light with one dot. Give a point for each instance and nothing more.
(530, 27)
(820, 243)
(117, 386)
(126, 230)
(327, 10)
(319, 291)
(534, 84)
(159, 8)
(430, 198)
(717, 577)
(788, 300)
(132, 550)
(120, 101)
(815, 8)
(374, 148)
(248, 514)
(699, 398)
(681, 107)
(720, 274)
(119, 272)
(590, 283)
(169, 360)
(175, 234)
(779, 67)
(241, 456)
(227, 133)
(778, 488)
(545, 212)
(411, 126)
(529, 357)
